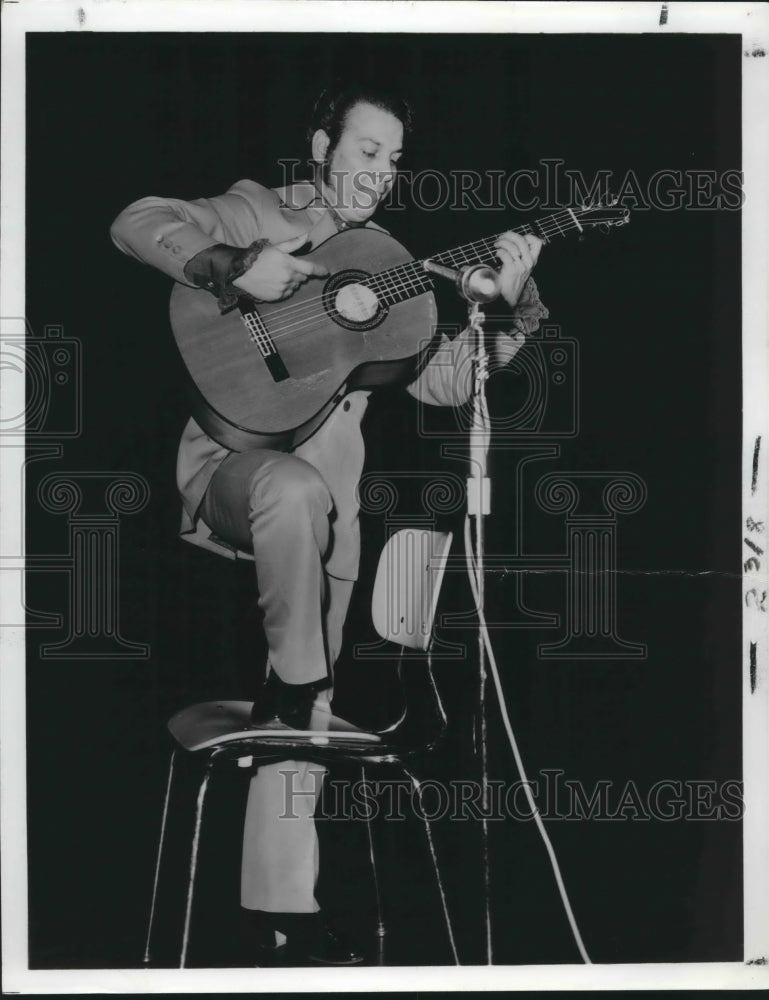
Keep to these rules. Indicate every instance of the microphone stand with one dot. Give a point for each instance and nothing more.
(476, 285)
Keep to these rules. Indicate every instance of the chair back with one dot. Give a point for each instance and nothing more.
(407, 585)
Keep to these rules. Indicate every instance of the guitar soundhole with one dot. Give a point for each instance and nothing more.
(351, 303)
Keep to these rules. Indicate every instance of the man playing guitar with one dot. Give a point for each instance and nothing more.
(275, 505)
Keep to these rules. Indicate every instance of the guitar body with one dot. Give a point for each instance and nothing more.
(268, 374)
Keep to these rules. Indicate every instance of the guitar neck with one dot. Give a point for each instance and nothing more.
(408, 280)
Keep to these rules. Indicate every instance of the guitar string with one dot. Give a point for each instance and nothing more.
(417, 281)
(395, 286)
(385, 282)
(413, 273)
(385, 278)
(388, 281)
(420, 281)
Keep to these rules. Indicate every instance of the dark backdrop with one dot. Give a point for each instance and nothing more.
(655, 309)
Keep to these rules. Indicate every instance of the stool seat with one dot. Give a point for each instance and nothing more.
(212, 724)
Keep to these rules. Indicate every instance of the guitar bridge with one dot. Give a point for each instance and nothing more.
(258, 334)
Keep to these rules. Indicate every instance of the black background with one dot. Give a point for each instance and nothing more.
(655, 308)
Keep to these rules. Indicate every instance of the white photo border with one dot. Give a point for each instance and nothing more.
(751, 21)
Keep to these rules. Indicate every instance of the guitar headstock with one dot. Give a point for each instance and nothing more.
(603, 215)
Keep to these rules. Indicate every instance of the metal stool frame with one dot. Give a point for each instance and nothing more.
(401, 564)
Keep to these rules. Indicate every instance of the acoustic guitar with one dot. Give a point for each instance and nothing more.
(268, 374)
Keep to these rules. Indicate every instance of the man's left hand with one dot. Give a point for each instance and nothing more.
(518, 255)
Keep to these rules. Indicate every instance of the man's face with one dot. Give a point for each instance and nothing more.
(364, 161)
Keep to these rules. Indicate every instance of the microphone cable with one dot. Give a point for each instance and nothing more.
(472, 571)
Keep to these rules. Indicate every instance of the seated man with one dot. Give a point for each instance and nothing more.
(277, 504)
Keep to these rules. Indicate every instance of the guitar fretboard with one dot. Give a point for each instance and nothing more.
(408, 280)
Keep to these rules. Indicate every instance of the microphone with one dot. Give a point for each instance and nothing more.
(476, 282)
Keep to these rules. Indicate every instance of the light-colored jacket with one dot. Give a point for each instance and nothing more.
(167, 233)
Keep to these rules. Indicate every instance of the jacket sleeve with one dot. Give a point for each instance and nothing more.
(167, 232)
(447, 379)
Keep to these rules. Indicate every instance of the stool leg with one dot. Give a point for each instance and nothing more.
(418, 789)
(380, 927)
(194, 860)
(161, 843)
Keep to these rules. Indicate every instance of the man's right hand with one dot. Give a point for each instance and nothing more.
(276, 274)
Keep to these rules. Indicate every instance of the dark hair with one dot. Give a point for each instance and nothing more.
(334, 102)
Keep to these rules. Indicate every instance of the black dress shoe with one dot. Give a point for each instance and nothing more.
(330, 947)
(285, 706)
(309, 940)
(261, 946)
(268, 954)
